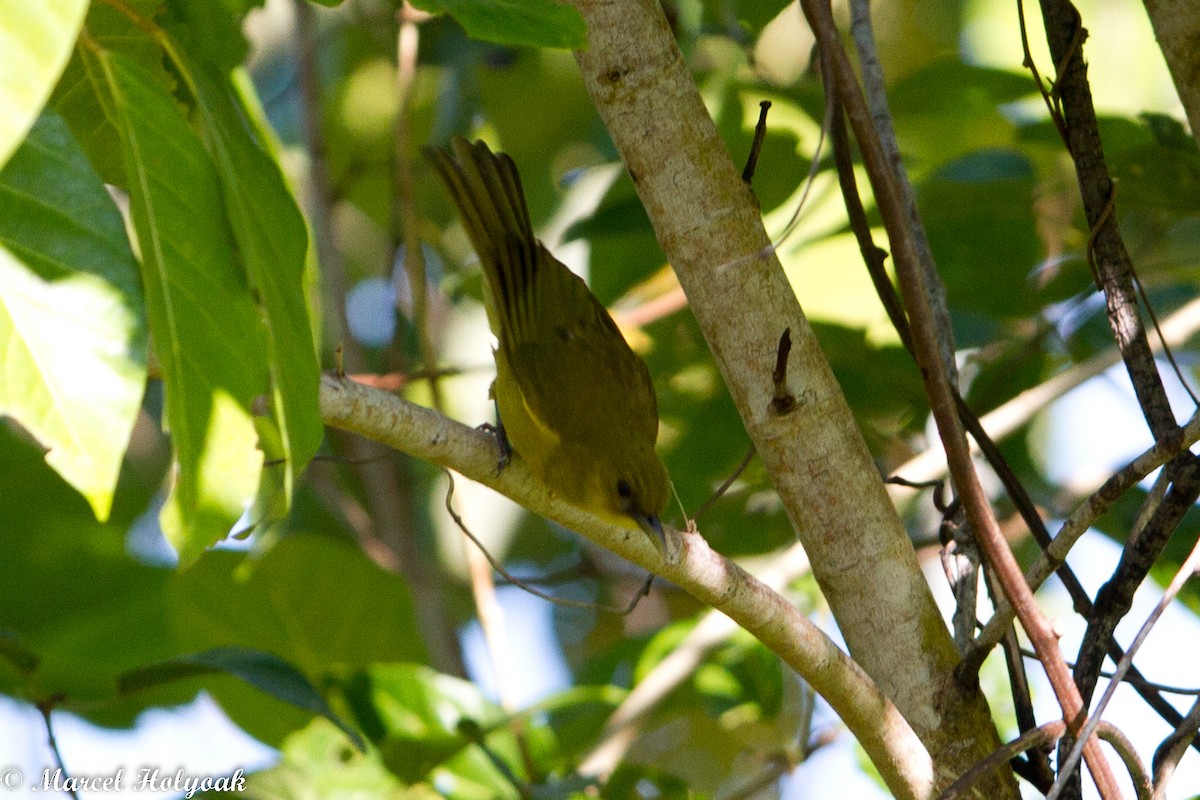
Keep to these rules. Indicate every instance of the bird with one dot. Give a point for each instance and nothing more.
(573, 400)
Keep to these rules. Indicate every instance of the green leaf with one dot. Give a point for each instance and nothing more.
(979, 216)
(211, 30)
(15, 652)
(537, 23)
(72, 326)
(315, 601)
(35, 43)
(272, 241)
(319, 764)
(72, 593)
(126, 30)
(949, 108)
(416, 717)
(264, 671)
(206, 331)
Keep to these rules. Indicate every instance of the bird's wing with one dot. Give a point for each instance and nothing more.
(487, 190)
(570, 346)
(558, 341)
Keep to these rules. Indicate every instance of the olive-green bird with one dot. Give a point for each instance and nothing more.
(574, 400)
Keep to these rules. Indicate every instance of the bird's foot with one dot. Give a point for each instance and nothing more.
(502, 444)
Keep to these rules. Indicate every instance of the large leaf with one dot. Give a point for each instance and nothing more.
(538, 23)
(949, 108)
(272, 242)
(264, 671)
(211, 31)
(316, 602)
(72, 326)
(205, 326)
(72, 593)
(126, 30)
(979, 215)
(35, 42)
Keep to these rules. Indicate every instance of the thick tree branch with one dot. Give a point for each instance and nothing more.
(714, 628)
(711, 231)
(423, 433)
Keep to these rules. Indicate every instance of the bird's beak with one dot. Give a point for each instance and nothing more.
(652, 525)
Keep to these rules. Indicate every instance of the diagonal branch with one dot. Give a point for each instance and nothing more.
(624, 726)
(423, 433)
(940, 393)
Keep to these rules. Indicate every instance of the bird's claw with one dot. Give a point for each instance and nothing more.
(502, 444)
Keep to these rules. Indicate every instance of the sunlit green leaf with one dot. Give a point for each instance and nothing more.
(72, 326)
(35, 42)
(422, 721)
(320, 763)
(272, 241)
(539, 23)
(204, 324)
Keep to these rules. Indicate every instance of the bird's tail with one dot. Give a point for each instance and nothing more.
(487, 191)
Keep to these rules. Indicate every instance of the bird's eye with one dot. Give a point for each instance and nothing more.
(624, 489)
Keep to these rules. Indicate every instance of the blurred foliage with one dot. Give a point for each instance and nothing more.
(185, 107)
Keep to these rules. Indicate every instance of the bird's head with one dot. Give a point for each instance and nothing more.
(634, 487)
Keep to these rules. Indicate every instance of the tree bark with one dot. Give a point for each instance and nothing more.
(709, 226)
(1177, 27)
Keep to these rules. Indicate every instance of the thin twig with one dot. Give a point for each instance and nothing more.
(1045, 736)
(46, 708)
(724, 487)
(875, 92)
(529, 586)
(927, 351)
(1161, 687)
(1166, 347)
(1169, 753)
(1186, 570)
(1028, 62)
(760, 134)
